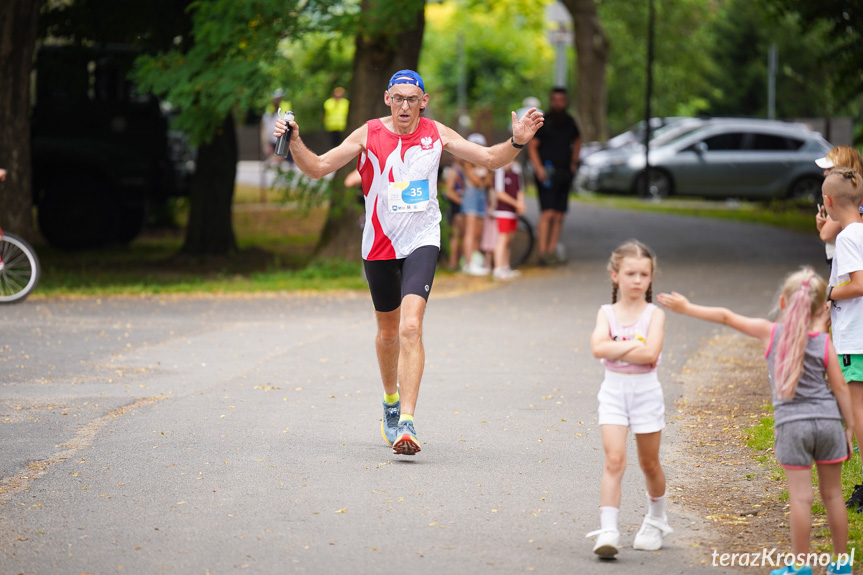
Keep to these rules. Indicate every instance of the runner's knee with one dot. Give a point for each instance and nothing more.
(410, 330)
(388, 335)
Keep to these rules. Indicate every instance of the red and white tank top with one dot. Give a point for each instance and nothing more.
(637, 330)
(391, 158)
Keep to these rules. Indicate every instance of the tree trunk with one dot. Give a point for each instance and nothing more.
(210, 230)
(18, 20)
(591, 48)
(379, 54)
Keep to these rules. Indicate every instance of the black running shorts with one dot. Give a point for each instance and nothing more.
(391, 280)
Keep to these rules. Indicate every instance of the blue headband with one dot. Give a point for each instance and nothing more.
(407, 77)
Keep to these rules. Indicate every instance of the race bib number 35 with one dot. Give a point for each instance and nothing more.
(408, 196)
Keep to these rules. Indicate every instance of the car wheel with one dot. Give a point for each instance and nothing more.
(129, 223)
(807, 188)
(659, 185)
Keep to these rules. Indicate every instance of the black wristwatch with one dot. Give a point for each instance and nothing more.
(514, 145)
(829, 293)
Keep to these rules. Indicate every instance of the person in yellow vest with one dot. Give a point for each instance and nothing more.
(336, 115)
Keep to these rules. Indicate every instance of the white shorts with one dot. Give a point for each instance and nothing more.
(632, 400)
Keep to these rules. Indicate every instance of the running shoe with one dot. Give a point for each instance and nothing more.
(406, 442)
(607, 542)
(653, 529)
(792, 570)
(836, 569)
(390, 422)
(856, 499)
(505, 273)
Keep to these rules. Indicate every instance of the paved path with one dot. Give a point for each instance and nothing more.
(161, 435)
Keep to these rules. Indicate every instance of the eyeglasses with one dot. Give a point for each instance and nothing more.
(399, 100)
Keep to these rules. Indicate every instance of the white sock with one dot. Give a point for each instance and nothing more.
(608, 517)
(656, 506)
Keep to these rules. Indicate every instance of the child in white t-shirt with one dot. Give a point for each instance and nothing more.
(843, 192)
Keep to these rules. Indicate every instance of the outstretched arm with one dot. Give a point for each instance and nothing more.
(498, 155)
(316, 166)
(754, 327)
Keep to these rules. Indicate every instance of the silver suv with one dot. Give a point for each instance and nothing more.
(717, 158)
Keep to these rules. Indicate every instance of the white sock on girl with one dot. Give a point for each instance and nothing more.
(608, 518)
(656, 506)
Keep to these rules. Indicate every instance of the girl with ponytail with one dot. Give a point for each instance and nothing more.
(628, 339)
(808, 414)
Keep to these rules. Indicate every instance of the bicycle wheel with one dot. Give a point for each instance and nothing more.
(522, 243)
(19, 269)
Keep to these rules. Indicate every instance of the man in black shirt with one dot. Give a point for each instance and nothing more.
(553, 151)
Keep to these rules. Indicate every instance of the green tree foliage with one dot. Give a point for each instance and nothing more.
(506, 56)
(229, 62)
(681, 69)
(226, 66)
(309, 68)
(742, 35)
(838, 24)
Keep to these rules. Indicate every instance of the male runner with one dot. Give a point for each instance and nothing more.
(398, 163)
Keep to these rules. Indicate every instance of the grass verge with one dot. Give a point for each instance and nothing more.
(275, 244)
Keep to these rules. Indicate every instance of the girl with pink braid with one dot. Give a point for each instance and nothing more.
(808, 413)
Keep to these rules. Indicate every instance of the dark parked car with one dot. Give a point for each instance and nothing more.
(719, 157)
(102, 153)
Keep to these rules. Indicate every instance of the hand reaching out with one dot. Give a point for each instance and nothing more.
(674, 301)
(524, 129)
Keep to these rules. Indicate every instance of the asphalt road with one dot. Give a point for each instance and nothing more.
(160, 435)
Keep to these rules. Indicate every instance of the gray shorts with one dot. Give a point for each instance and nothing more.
(800, 442)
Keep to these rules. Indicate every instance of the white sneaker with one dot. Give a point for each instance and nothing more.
(505, 273)
(653, 529)
(477, 270)
(607, 542)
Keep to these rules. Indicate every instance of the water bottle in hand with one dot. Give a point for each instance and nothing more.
(283, 144)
